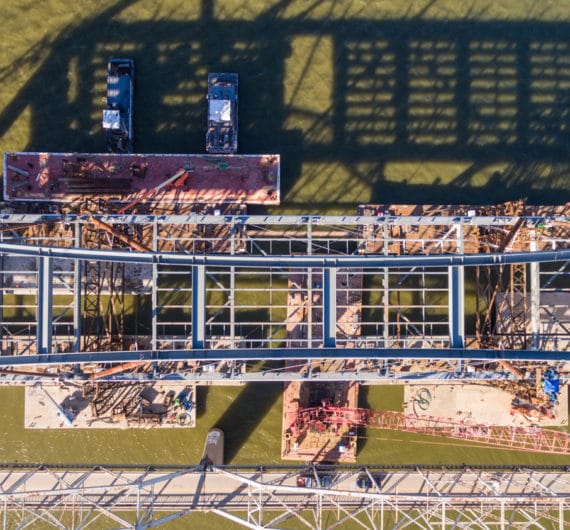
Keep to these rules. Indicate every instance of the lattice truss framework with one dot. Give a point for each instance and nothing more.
(284, 287)
(409, 497)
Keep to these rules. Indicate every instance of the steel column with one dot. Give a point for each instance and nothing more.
(456, 307)
(2, 344)
(154, 292)
(77, 291)
(329, 308)
(385, 290)
(309, 313)
(535, 298)
(198, 307)
(456, 298)
(45, 304)
(231, 295)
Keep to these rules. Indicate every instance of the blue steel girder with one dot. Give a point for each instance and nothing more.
(45, 304)
(285, 354)
(198, 306)
(199, 264)
(295, 261)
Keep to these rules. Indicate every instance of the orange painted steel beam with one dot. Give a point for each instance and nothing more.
(121, 237)
(115, 370)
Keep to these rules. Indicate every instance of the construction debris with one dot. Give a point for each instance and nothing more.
(110, 405)
(501, 403)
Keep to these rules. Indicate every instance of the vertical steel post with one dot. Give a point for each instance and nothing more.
(138, 504)
(231, 295)
(386, 289)
(534, 296)
(456, 299)
(329, 307)
(154, 291)
(456, 307)
(198, 306)
(78, 300)
(309, 305)
(502, 515)
(3, 345)
(45, 304)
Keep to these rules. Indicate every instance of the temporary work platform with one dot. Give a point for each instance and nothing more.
(118, 178)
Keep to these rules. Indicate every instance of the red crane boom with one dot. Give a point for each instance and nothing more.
(522, 438)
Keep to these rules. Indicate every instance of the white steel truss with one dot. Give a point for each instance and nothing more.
(265, 497)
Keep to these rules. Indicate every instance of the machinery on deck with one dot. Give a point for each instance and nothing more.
(222, 129)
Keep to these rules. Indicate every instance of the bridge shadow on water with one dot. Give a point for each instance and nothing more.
(242, 418)
(390, 91)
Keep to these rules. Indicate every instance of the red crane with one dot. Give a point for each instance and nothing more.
(523, 438)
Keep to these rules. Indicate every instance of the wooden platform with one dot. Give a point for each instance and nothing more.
(64, 177)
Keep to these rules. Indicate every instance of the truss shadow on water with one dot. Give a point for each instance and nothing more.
(364, 403)
(399, 90)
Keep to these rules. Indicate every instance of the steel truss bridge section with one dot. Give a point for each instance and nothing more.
(269, 497)
(212, 293)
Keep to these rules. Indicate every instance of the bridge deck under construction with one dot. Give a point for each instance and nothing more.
(64, 177)
(226, 290)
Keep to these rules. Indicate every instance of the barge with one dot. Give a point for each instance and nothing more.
(152, 178)
(214, 448)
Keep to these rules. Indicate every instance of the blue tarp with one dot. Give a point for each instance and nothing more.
(551, 386)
